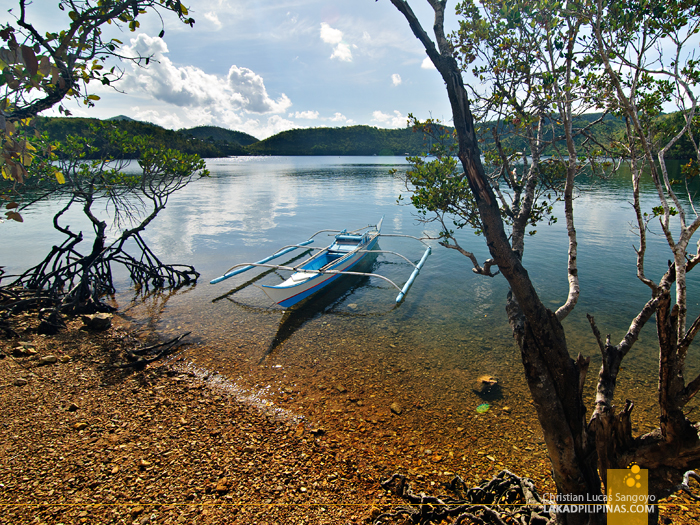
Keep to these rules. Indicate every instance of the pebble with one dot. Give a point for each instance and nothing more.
(64, 358)
(21, 351)
(20, 381)
(80, 425)
(396, 408)
(222, 486)
(48, 360)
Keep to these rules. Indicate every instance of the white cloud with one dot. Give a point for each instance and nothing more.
(253, 96)
(204, 98)
(332, 36)
(397, 120)
(257, 127)
(338, 117)
(168, 120)
(396, 79)
(427, 64)
(310, 115)
(272, 126)
(214, 19)
(342, 52)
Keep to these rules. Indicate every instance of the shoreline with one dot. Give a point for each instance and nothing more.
(174, 444)
(83, 445)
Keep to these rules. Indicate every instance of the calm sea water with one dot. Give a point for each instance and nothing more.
(452, 323)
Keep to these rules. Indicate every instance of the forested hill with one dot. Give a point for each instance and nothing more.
(215, 134)
(221, 143)
(212, 141)
(353, 140)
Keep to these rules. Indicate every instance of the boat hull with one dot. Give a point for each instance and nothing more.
(290, 293)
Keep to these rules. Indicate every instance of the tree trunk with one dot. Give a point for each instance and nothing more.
(554, 378)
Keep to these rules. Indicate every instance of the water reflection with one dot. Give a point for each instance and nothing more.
(229, 295)
(428, 352)
(324, 302)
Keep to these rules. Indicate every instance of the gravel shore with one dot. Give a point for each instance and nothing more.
(82, 441)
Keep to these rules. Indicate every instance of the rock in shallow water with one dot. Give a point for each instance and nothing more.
(484, 384)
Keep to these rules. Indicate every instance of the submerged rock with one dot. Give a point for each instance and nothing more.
(485, 384)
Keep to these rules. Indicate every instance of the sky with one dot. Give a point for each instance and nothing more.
(265, 66)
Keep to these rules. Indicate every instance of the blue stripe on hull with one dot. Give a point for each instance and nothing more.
(291, 301)
(303, 295)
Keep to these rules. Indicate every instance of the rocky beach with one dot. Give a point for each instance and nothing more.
(86, 441)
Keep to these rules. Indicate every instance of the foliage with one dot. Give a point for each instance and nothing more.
(215, 134)
(72, 281)
(668, 126)
(435, 182)
(539, 63)
(352, 140)
(41, 69)
(57, 129)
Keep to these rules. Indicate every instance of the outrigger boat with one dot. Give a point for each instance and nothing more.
(328, 264)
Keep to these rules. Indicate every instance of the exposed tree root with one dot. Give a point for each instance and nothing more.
(685, 486)
(148, 270)
(504, 496)
(139, 358)
(66, 282)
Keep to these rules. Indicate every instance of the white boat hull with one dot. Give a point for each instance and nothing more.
(305, 283)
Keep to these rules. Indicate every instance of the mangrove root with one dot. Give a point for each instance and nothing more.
(139, 358)
(493, 502)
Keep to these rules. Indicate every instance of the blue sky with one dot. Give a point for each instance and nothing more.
(269, 65)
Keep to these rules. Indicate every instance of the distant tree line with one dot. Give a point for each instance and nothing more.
(213, 141)
(186, 141)
(352, 140)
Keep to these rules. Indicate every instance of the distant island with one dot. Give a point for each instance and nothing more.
(213, 141)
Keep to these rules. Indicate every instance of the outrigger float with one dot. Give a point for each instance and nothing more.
(327, 264)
